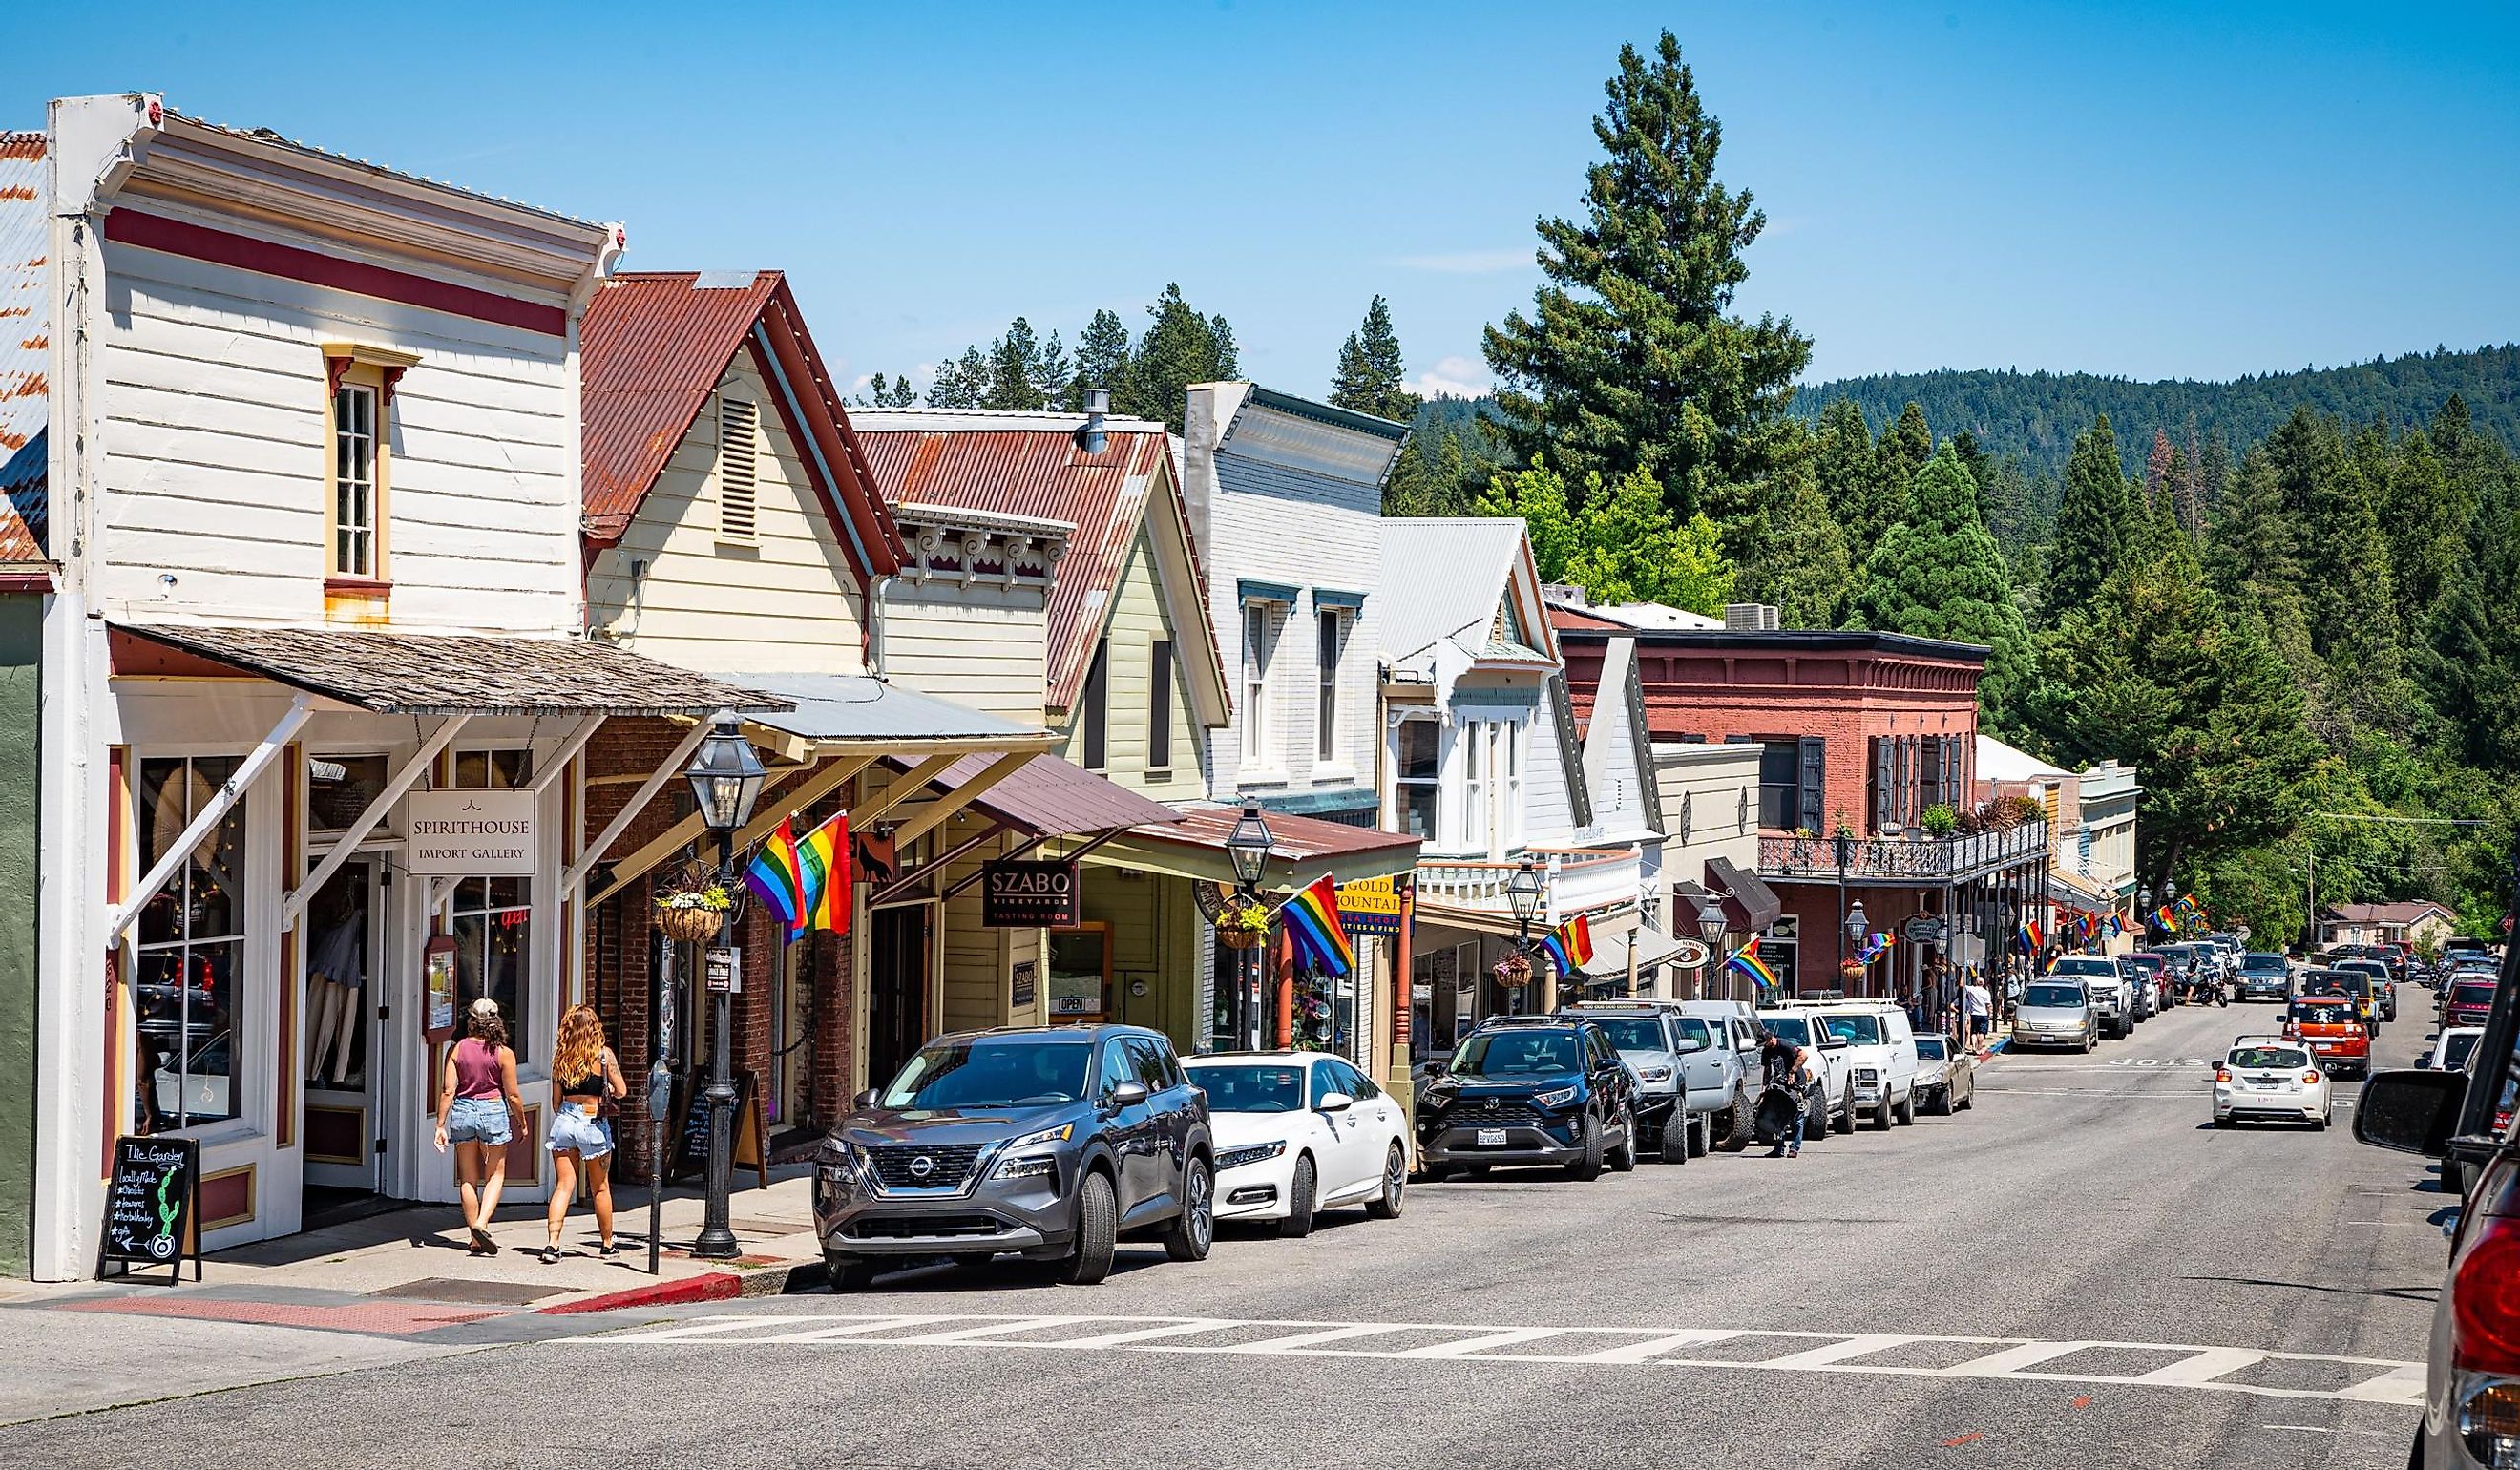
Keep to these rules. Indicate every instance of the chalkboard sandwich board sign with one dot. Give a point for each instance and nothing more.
(151, 1206)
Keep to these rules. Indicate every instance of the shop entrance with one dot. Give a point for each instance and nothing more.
(897, 967)
(343, 938)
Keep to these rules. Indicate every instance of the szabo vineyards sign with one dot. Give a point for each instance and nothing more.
(1029, 895)
(472, 834)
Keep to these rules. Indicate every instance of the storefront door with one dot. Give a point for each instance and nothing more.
(344, 934)
(896, 989)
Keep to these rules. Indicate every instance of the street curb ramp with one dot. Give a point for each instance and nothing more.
(785, 1279)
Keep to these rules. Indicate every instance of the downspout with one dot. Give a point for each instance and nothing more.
(878, 590)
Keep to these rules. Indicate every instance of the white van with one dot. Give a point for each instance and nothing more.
(1880, 1054)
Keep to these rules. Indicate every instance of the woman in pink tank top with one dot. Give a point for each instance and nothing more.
(479, 1112)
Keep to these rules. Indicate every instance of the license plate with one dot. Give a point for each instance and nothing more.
(1491, 1138)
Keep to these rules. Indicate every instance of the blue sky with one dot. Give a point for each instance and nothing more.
(2145, 189)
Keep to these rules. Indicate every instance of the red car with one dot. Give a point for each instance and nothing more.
(2468, 1003)
(2332, 1028)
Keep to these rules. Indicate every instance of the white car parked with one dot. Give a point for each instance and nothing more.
(2267, 1077)
(1297, 1133)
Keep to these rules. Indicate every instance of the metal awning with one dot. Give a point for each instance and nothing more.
(1751, 903)
(1046, 797)
(834, 714)
(1651, 947)
(433, 673)
(1192, 845)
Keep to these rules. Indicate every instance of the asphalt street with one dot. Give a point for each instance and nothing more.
(2080, 1271)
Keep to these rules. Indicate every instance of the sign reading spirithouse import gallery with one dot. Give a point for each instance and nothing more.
(1029, 895)
(472, 834)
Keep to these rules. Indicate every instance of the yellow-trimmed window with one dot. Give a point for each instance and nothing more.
(358, 438)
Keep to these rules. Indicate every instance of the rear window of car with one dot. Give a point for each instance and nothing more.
(2268, 1056)
(2334, 1013)
(2457, 1047)
(2472, 993)
(1930, 1049)
(2145, 963)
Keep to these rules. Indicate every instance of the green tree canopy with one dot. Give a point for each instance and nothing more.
(1368, 378)
(1937, 573)
(2091, 521)
(1803, 566)
(1179, 347)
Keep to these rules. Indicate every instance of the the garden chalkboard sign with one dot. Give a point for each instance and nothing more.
(149, 1206)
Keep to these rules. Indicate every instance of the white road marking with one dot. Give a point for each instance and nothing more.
(2199, 1367)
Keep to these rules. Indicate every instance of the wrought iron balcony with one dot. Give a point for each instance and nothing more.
(1911, 858)
(1578, 879)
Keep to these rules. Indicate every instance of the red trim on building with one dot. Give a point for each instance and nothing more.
(154, 232)
(32, 581)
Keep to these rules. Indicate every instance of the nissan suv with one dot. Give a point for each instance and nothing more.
(1051, 1142)
(1530, 1089)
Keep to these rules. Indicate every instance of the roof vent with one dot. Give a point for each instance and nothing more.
(1091, 438)
(724, 280)
(1563, 594)
(1749, 617)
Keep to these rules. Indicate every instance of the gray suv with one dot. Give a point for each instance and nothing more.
(1051, 1142)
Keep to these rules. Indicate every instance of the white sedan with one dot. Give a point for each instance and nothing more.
(2270, 1078)
(1297, 1133)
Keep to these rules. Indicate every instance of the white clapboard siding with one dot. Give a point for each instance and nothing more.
(1137, 621)
(982, 645)
(786, 601)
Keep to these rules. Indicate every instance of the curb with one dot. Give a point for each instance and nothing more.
(710, 1286)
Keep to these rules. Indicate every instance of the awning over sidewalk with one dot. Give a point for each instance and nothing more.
(2074, 889)
(834, 714)
(1652, 947)
(1192, 845)
(1751, 903)
(433, 674)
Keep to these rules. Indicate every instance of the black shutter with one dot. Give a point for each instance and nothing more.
(1886, 782)
(1815, 774)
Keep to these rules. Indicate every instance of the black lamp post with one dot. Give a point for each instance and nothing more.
(2144, 912)
(1711, 927)
(1523, 891)
(1248, 847)
(1851, 937)
(726, 779)
(1844, 842)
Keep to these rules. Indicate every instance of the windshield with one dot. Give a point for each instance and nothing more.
(1634, 1033)
(2144, 962)
(1860, 1031)
(2457, 1047)
(1250, 1090)
(2311, 1013)
(1792, 1027)
(2268, 1056)
(1515, 1054)
(2068, 996)
(1930, 1049)
(986, 1072)
(2274, 962)
(2354, 982)
(2086, 964)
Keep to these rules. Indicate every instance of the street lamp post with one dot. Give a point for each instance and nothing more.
(1711, 927)
(2143, 912)
(1845, 845)
(1523, 891)
(1851, 935)
(726, 779)
(1247, 848)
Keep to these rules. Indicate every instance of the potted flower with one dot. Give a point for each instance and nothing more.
(1852, 970)
(1514, 971)
(692, 912)
(1241, 924)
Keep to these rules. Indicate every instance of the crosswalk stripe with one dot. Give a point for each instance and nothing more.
(1471, 1346)
(1145, 1334)
(2203, 1367)
(2012, 1359)
(2403, 1384)
(1656, 1347)
(988, 1329)
(1819, 1358)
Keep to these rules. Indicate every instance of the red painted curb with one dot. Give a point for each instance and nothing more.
(715, 1286)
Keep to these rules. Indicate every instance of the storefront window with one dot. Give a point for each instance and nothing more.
(1419, 778)
(192, 950)
(493, 917)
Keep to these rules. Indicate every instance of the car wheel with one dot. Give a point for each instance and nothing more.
(1674, 1140)
(1881, 1115)
(1395, 1180)
(1589, 1140)
(1744, 1123)
(1696, 1136)
(1097, 1231)
(1845, 1123)
(1298, 1223)
(848, 1273)
(1194, 1230)
(1965, 1103)
(1907, 1112)
(1623, 1159)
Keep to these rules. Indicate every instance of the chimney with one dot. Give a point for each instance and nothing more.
(1749, 617)
(1091, 438)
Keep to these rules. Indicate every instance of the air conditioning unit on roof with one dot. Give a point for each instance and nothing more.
(1749, 617)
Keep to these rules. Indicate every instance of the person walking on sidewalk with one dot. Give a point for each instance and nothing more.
(585, 1076)
(1789, 1067)
(478, 1112)
(1978, 1003)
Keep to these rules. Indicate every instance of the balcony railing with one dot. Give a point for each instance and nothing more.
(1907, 859)
(1577, 879)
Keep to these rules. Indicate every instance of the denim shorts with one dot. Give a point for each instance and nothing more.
(575, 1127)
(478, 1120)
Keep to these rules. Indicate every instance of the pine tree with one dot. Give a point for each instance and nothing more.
(883, 393)
(1179, 347)
(1102, 360)
(1938, 574)
(2157, 472)
(1370, 372)
(1631, 358)
(961, 383)
(1024, 374)
(1907, 442)
(2091, 519)
(2252, 545)
(1849, 474)
(2429, 513)
(1803, 569)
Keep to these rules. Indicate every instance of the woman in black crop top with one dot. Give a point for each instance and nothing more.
(584, 1075)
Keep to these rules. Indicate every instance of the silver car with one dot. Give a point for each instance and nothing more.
(2055, 1013)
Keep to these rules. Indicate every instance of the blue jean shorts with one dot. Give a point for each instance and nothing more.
(479, 1120)
(573, 1127)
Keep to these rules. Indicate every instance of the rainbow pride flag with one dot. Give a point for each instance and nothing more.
(1746, 960)
(775, 877)
(1311, 920)
(823, 857)
(1569, 946)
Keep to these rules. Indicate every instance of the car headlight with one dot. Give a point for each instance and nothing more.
(1029, 1166)
(1250, 1153)
(1654, 1074)
(834, 1165)
(1059, 1135)
(1556, 1098)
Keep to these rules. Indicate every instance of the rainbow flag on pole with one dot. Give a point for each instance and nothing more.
(776, 877)
(1569, 946)
(2167, 917)
(824, 857)
(1311, 920)
(1746, 961)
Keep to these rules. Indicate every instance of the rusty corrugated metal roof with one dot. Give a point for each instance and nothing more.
(652, 346)
(26, 320)
(1033, 465)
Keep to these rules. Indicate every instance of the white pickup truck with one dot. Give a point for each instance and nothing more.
(2111, 996)
(1835, 1105)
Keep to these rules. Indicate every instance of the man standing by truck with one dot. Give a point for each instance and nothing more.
(1787, 1066)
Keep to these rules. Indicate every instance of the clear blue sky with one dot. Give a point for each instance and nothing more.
(2146, 189)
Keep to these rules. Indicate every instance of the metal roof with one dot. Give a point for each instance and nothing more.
(1033, 466)
(1720, 641)
(438, 674)
(1047, 797)
(271, 138)
(25, 325)
(1453, 570)
(862, 707)
(1299, 839)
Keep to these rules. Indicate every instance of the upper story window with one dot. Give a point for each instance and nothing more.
(1510, 782)
(1332, 638)
(1418, 776)
(1159, 706)
(358, 428)
(739, 471)
(1780, 785)
(1475, 786)
(1255, 682)
(1095, 713)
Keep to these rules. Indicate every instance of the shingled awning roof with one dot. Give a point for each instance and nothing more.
(437, 673)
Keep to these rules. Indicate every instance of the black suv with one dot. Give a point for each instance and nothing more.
(1530, 1089)
(1050, 1142)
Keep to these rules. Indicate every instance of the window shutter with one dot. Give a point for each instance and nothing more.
(1815, 774)
(739, 469)
(1886, 779)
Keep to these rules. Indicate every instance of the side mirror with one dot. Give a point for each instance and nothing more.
(1127, 1095)
(868, 1097)
(2411, 1110)
(1832, 1044)
(1439, 1068)
(1334, 1102)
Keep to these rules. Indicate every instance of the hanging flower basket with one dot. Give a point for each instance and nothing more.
(692, 905)
(1852, 969)
(1242, 925)
(1514, 971)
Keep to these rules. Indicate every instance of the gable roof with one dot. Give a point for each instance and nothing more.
(652, 348)
(1034, 465)
(2403, 912)
(1465, 569)
(25, 325)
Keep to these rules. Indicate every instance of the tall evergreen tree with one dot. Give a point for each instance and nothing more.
(1632, 358)
(2091, 519)
(961, 383)
(1179, 347)
(1024, 371)
(1850, 474)
(887, 394)
(2156, 472)
(1101, 359)
(2429, 515)
(1370, 372)
(1803, 568)
(1938, 574)
(1907, 442)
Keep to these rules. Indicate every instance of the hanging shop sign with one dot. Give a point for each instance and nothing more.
(723, 966)
(1373, 905)
(1922, 928)
(472, 834)
(1019, 895)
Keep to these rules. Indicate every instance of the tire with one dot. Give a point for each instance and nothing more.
(1845, 1123)
(848, 1273)
(1623, 1159)
(1589, 1166)
(1674, 1140)
(1906, 1112)
(1097, 1231)
(1744, 1123)
(1965, 1103)
(1881, 1115)
(1939, 1104)
(1696, 1137)
(1301, 1196)
(1194, 1230)
(2222, 1123)
(1395, 1184)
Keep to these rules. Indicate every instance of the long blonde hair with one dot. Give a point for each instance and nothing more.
(579, 1052)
